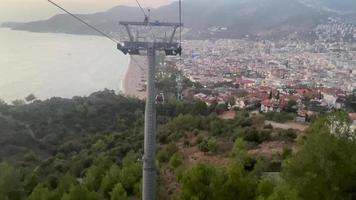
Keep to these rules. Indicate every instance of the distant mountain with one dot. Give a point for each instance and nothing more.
(341, 6)
(236, 17)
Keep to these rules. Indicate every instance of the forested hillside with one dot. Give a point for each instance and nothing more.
(91, 148)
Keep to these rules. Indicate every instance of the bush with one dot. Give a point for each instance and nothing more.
(213, 145)
(257, 136)
(167, 152)
(203, 146)
(176, 160)
(200, 139)
(287, 152)
(279, 117)
(287, 135)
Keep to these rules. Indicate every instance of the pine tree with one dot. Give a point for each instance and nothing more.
(40, 193)
(118, 193)
(79, 193)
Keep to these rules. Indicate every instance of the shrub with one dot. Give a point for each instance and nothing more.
(176, 160)
(213, 145)
(203, 146)
(166, 152)
(287, 152)
(287, 135)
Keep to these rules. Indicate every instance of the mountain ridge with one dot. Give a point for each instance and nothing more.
(239, 17)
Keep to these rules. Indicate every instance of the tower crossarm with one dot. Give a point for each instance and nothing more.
(156, 23)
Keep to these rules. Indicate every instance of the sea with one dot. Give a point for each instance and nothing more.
(58, 65)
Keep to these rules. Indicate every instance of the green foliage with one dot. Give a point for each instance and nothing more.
(176, 160)
(30, 98)
(11, 186)
(292, 107)
(205, 182)
(284, 192)
(65, 183)
(19, 102)
(40, 193)
(131, 172)
(196, 183)
(221, 108)
(350, 103)
(280, 117)
(203, 146)
(118, 193)
(200, 108)
(111, 178)
(80, 193)
(264, 189)
(324, 167)
(213, 145)
(239, 150)
(255, 135)
(167, 152)
(184, 123)
(287, 135)
(217, 126)
(287, 152)
(93, 178)
(84, 148)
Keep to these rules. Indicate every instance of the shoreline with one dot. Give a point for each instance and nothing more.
(135, 78)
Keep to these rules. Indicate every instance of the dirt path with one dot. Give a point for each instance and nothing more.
(287, 125)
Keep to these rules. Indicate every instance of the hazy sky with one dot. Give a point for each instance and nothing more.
(26, 10)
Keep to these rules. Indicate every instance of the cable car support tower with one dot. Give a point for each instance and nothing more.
(136, 47)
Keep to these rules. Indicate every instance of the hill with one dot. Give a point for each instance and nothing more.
(239, 17)
(91, 148)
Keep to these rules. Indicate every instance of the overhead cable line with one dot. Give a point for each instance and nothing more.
(180, 21)
(143, 10)
(137, 63)
(84, 22)
(95, 29)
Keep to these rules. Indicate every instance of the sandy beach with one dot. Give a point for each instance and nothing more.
(135, 78)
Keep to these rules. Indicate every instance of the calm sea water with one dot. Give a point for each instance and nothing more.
(47, 65)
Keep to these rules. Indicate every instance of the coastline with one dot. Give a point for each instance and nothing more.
(135, 78)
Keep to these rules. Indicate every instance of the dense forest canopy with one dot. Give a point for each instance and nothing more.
(91, 148)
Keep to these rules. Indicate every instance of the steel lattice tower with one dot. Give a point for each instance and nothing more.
(134, 47)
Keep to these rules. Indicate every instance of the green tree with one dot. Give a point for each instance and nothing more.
(238, 184)
(40, 193)
(325, 167)
(30, 181)
(118, 193)
(18, 102)
(176, 160)
(30, 98)
(111, 178)
(213, 145)
(11, 186)
(80, 193)
(292, 107)
(283, 192)
(196, 183)
(239, 152)
(264, 189)
(93, 178)
(131, 172)
(65, 183)
(200, 108)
